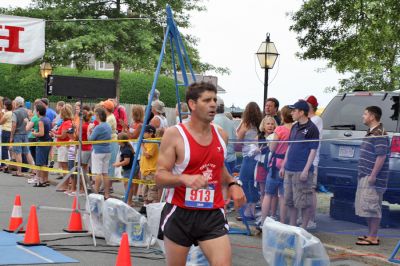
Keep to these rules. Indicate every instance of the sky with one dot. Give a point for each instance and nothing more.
(230, 33)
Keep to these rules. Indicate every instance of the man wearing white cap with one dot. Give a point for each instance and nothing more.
(19, 133)
(159, 121)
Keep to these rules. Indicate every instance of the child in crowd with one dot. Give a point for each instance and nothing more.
(274, 183)
(126, 161)
(267, 127)
(148, 165)
(71, 163)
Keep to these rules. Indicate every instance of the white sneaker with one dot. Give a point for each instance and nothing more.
(33, 180)
(275, 218)
(311, 225)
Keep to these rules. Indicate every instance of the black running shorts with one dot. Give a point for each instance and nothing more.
(187, 227)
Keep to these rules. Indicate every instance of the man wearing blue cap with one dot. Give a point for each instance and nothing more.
(297, 168)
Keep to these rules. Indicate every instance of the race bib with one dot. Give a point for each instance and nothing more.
(201, 198)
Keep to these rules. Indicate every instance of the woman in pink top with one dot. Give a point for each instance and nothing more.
(274, 184)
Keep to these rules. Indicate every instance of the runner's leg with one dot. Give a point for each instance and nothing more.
(217, 251)
(175, 254)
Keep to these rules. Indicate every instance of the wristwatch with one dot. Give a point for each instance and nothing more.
(234, 183)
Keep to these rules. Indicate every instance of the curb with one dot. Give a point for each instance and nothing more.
(359, 256)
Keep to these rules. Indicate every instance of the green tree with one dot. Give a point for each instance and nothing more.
(129, 36)
(26, 82)
(357, 37)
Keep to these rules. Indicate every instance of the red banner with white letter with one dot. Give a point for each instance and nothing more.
(21, 39)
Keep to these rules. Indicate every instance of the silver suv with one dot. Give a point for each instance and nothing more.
(343, 122)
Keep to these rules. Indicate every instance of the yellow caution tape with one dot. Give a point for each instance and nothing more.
(60, 171)
(68, 143)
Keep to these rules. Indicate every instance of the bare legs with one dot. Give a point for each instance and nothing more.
(99, 179)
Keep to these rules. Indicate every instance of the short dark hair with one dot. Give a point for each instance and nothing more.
(8, 104)
(45, 101)
(101, 114)
(41, 109)
(275, 101)
(375, 111)
(195, 89)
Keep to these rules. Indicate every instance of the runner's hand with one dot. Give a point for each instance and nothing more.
(194, 181)
(237, 195)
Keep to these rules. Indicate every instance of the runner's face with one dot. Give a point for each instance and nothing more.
(205, 107)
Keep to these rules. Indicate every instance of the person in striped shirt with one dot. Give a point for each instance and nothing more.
(373, 170)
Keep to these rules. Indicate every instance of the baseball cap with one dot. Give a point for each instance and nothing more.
(109, 105)
(220, 101)
(150, 129)
(159, 106)
(301, 105)
(312, 100)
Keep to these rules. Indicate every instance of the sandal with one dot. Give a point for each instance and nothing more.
(248, 218)
(365, 237)
(362, 237)
(18, 174)
(367, 242)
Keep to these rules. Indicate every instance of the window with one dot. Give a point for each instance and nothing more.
(102, 65)
(349, 111)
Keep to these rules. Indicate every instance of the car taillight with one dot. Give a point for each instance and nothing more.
(395, 147)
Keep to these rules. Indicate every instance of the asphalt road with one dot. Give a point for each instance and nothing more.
(246, 250)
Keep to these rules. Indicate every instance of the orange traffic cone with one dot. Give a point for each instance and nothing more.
(75, 220)
(124, 254)
(16, 217)
(32, 230)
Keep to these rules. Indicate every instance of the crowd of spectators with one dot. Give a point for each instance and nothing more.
(279, 150)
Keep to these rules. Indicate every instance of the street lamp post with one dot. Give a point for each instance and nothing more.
(45, 71)
(232, 108)
(267, 55)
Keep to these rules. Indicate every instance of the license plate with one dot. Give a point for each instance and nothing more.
(346, 151)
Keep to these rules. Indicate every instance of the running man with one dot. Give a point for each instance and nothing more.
(191, 167)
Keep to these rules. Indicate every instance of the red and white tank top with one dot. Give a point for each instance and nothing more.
(199, 159)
